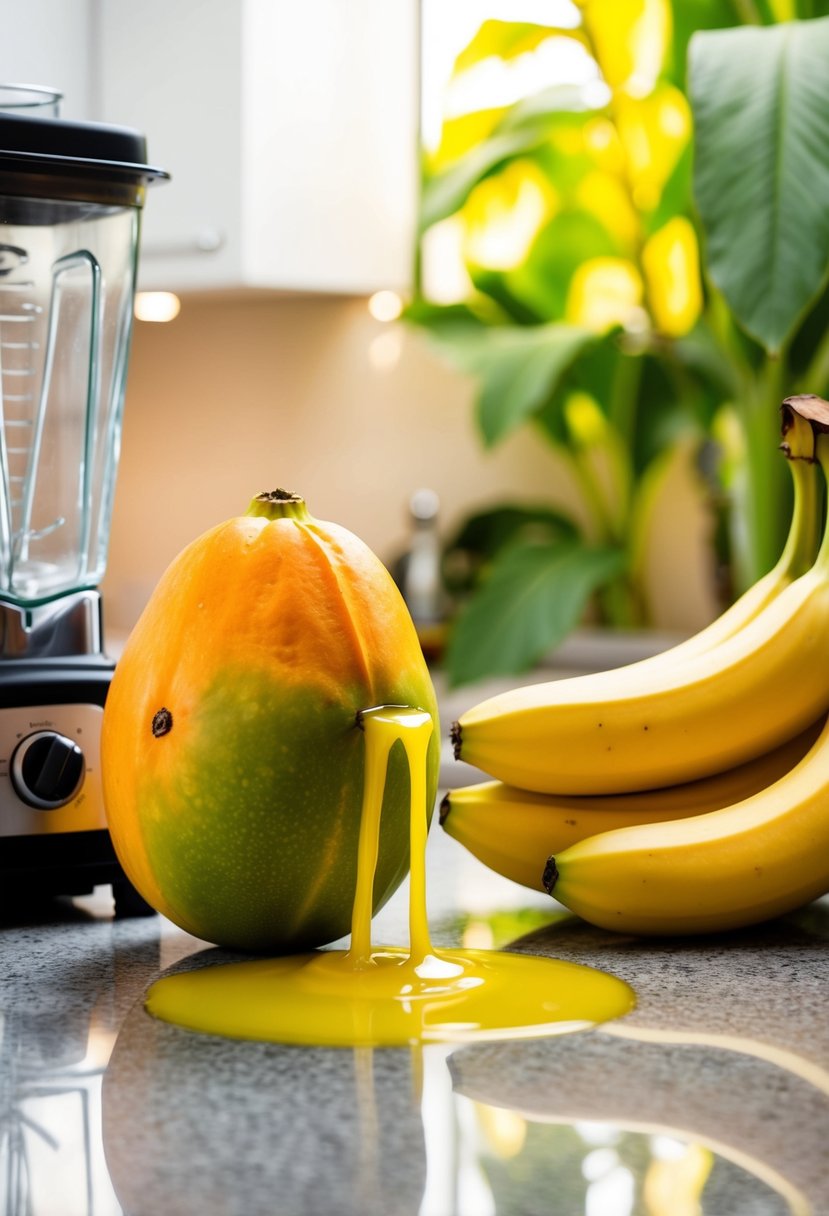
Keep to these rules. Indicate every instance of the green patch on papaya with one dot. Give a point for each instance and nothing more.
(252, 831)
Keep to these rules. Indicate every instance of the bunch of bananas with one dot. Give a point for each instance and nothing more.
(688, 792)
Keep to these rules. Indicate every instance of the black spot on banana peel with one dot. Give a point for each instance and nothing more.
(455, 736)
(550, 876)
(445, 808)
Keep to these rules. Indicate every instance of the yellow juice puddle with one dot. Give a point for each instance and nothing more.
(390, 996)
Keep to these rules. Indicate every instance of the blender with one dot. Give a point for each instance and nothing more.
(71, 196)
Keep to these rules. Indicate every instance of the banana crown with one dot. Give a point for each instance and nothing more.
(798, 430)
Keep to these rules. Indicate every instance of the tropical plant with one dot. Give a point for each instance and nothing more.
(645, 255)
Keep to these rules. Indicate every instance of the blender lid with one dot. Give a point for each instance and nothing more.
(74, 151)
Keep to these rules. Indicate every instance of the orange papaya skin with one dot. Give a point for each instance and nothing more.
(232, 755)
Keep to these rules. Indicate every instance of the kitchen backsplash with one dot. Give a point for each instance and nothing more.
(243, 394)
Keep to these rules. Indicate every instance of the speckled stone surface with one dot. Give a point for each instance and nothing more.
(722, 1066)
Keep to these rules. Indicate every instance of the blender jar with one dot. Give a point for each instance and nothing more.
(70, 203)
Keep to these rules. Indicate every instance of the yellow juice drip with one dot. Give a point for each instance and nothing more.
(390, 996)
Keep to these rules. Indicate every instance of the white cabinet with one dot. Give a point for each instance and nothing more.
(290, 129)
(49, 42)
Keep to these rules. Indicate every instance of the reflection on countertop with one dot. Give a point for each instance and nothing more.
(711, 1097)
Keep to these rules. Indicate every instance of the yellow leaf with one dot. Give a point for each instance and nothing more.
(605, 197)
(586, 422)
(459, 135)
(654, 131)
(629, 38)
(604, 293)
(568, 140)
(504, 213)
(601, 140)
(670, 260)
(783, 10)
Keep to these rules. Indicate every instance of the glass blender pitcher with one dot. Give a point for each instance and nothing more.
(71, 196)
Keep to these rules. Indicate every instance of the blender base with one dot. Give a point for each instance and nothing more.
(43, 854)
(69, 863)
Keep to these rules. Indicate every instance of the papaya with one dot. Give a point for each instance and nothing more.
(232, 754)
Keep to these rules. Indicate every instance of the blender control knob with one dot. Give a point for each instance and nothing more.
(47, 770)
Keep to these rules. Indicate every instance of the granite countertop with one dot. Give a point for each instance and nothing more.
(712, 1096)
(719, 1080)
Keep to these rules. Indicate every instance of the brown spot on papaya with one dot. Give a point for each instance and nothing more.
(162, 722)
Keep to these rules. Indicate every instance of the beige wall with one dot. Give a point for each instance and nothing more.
(312, 394)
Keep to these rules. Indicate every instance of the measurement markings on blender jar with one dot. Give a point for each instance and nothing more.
(17, 382)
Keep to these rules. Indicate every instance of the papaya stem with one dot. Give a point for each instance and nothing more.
(278, 504)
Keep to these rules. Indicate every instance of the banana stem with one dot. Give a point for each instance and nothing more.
(822, 560)
(799, 552)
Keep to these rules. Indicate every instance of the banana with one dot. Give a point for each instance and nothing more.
(512, 831)
(738, 866)
(597, 735)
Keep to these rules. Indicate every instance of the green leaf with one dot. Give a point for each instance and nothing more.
(481, 536)
(519, 368)
(446, 192)
(593, 371)
(526, 128)
(488, 531)
(498, 285)
(761, 108)
(542, 280)
(535, 595)
(443, 318)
